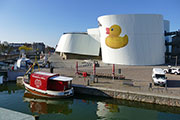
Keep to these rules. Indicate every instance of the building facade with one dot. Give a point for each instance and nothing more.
(130, 39)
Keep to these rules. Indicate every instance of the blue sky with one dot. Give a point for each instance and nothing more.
(46, 20)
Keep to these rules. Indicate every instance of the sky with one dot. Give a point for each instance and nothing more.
(46, 20)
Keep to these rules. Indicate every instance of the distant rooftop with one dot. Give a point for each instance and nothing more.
(76, 33)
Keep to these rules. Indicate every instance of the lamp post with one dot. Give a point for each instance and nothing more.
(176, 61)
(76, 72)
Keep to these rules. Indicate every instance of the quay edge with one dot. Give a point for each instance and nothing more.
(128, 95)
(6, 114)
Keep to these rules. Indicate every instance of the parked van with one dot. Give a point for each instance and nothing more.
(158, 77)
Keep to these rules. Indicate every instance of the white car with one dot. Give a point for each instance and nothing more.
(175, 70)
(172, 70)
(158, 77)
(166, 70)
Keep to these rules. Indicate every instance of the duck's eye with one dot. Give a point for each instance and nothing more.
(112, 29)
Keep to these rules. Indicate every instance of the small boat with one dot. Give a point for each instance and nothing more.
(49, 85)
(23, 63)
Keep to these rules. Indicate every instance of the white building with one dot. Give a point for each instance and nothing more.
(80, 43)
(130, 39)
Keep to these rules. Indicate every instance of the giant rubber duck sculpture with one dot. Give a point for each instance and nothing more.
(114, 40)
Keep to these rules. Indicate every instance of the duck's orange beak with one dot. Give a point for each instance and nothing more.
(107, 30)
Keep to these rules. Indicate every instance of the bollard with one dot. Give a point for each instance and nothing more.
(94, 72)
(113, 71)
(51, 69)
(88, 82)
(76, 72)
(150, 86)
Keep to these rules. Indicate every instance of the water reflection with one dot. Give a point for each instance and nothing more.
(82, 107)
(9, 87)
(45, 106)
(112, 107)
(90, 108)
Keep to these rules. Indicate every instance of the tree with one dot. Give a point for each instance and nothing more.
(24, 48)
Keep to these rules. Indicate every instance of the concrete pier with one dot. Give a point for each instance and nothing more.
(137, 85)
(6, 114)
(128, 95)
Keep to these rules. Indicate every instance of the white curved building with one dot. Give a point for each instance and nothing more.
(80, 43)
(142, 37)
(130, 39)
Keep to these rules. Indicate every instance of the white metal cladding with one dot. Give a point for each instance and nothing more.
(94, 33)
(145, 33)
(76, 43)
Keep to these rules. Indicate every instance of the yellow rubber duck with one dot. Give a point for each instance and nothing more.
(114, 40)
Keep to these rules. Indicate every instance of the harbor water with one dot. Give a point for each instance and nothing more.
(82, 107)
